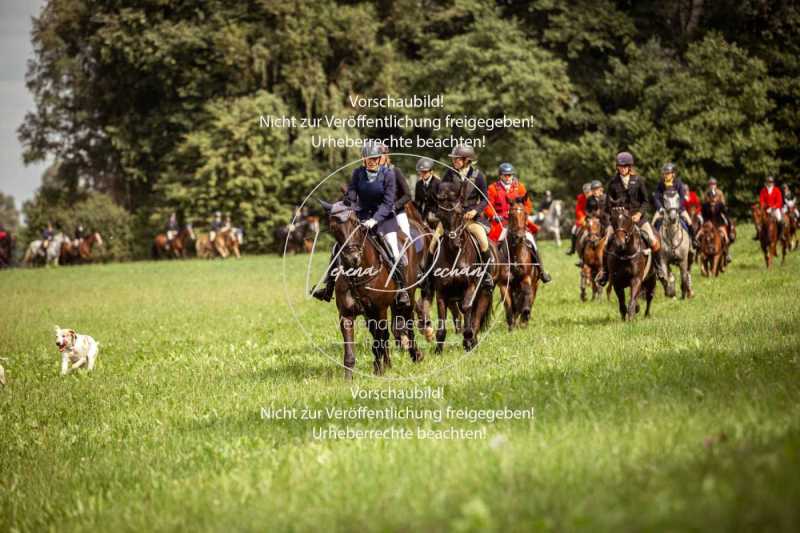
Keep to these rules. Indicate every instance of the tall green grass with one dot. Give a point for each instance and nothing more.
(689, 420)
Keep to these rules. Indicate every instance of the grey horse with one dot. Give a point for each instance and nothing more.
(35, 255)
(551, 221)
(675, 247)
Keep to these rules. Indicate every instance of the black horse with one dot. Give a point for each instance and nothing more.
(630, 264)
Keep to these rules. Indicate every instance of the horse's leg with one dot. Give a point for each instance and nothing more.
(477, 312)
(507, 305)
(584, 274)
(441, 326)
(380, 341)
(633, 304)
(649, 292)
(347, 325)
(619, 289)
(458, 322)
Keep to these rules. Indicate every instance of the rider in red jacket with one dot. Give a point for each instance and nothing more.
(771, 200)
(580, 215)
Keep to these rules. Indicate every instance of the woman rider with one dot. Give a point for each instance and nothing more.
(627, 189)
(371, 193)
(474, 200)
(402, 189)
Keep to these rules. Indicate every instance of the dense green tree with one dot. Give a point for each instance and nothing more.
(9, 215)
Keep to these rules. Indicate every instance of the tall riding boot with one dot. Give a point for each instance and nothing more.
(324, 292)
(572, 245)
(399, 278)
(544, 276)
(486, 258)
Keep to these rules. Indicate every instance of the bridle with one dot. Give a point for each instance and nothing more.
(350, 246)
(453, 234)
(620, 214)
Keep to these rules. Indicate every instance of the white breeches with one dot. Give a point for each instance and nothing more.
(391, 238)
(402, 221)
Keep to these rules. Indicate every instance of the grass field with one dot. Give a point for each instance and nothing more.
(689, 420)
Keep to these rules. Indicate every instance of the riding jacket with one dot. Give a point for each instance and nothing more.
(373, 194)
(402, 189)
(770, 199)
(692, 202)
(425, 196)
(634, 197)
(661, 188)
(580, 209)
(473, 189)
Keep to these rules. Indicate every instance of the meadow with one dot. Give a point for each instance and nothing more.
(688, 420)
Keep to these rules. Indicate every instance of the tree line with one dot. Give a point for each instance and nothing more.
(155, 104)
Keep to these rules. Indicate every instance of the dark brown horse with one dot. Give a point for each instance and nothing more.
(592, 258)
(364, 287)
(458, 272)
(178, 248)
(298, 238)
(518, 278)
(629, 265)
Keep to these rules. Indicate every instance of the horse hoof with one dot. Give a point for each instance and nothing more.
(428, 332)
(468, 334)
(348, 374)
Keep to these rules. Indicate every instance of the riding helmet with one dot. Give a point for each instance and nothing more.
(505, 168)
(371, 149)
(668, 167)
(587, 187)
(424, 164)
(463, 150)
(624, 158)
(596, 184)
(712, 180)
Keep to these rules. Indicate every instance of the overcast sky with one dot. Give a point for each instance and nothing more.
(15, 42)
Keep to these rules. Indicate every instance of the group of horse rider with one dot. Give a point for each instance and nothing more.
(50, 231)
(218, 225)
(379, 193)
(627, 189)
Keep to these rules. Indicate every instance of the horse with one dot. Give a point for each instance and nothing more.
(628, 264)
(592, 258)
(676, 246)
(550, 220)
(7, 243)
(518, 277)
(790, 227)
(176, 249)
(70, 254)
(712, 252)
(36, 255)
(767, 228)
(457, 275)
(298, 237)
(364, 286)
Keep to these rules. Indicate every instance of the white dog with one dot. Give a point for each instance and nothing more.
(77, 349)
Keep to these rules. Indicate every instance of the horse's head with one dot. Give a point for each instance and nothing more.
(348, 231)
(593, 229)
(621, 223)
(672, 205)
(448, 206)
(518, 218)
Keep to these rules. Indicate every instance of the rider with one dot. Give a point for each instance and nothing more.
(80, 233)
(372, 193)
(771, 200)
(425, 191)
(790, 202)
(403, 192)
(217, 226)
(595, 207)
(670, 182)
(237, 232)
(47, 234)
(546, 202)
(501, 194)
(473, 198)
(172, 228)
(691, 202)
(627, 189)
(580, 215)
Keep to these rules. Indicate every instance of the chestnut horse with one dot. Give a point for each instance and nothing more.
(364, 287)
(767, 228)
(177, 249)
(458, 273)
(629, 265)
(593, 250)
(83, 252)
(518, 277)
